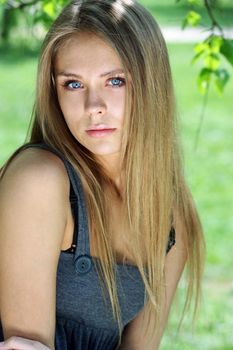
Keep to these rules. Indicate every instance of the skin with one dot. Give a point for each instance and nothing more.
(34, 193)
(19, 343)
(91, 89)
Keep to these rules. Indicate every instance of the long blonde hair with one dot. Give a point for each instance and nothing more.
(154, 181)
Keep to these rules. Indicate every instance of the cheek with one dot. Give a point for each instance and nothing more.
(70, 106)
(117, 104)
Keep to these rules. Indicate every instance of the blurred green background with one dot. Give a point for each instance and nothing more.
(208, 168)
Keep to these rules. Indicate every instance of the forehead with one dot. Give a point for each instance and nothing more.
(86, 51)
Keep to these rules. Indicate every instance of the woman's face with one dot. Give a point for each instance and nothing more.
(91, 90)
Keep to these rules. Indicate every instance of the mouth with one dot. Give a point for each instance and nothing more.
(100, 132)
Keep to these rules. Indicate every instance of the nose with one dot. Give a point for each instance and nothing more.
(95, 105)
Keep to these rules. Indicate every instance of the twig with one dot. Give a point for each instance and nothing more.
(198, 131)
(215, 23)
(24, 4)
(11, 5)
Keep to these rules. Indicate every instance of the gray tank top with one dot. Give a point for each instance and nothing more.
(84, 319)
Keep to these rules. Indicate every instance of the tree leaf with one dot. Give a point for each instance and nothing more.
(212, 61)
(201, 47)
(227, 50)
(197, 56)
(203, 80)
(194, 2)
(215, 43)
(193, 18)
(43, 18)
(49, 9)
(222, 77)
(184, 23)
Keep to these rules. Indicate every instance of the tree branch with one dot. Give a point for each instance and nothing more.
(215, 23)
(25, 4)
(198, 131)
(12, 5)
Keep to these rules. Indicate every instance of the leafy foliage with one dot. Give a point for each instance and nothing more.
(38, 11)
(212, 50)
(193, 19)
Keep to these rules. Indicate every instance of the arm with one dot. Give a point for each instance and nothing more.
(33, 196)
(19, 343)
(132, 338)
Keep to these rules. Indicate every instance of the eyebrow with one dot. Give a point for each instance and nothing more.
(70, 74)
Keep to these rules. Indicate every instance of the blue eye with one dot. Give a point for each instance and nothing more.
(73, 85)
(117, 82)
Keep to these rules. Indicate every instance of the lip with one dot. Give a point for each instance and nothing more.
(99, 127)
(100, 132)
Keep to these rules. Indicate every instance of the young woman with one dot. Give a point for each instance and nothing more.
(96, 220)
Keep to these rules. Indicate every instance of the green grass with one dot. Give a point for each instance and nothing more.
(18, 71)
(209, 169)
(209, 172)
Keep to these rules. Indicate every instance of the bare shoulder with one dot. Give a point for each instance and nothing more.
(34, 191)
(35, 167)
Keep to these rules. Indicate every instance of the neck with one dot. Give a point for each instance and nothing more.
(111, 165)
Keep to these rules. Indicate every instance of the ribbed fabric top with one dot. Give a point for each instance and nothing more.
(84, 319)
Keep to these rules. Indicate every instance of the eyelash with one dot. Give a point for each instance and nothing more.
(68, 82)
(122, 80)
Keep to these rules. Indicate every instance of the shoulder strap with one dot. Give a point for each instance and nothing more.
(77, 199)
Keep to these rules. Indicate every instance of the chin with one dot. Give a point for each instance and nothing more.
(104, 153)
(103, 150)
